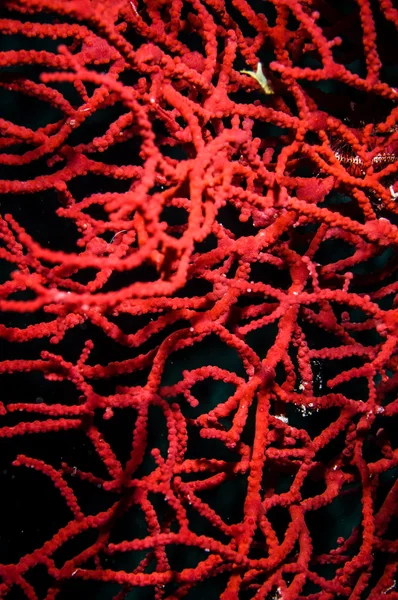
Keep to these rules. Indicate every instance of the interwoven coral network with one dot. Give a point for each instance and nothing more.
(199, 319)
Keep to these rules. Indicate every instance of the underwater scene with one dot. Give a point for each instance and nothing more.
(198, 299)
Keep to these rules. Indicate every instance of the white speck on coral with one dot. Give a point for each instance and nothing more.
(393, 194)
(282, 418)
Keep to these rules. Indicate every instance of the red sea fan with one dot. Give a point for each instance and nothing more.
(198, 225)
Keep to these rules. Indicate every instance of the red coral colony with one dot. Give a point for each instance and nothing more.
(198, 295)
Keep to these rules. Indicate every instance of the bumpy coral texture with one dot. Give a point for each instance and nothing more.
(198, 299)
